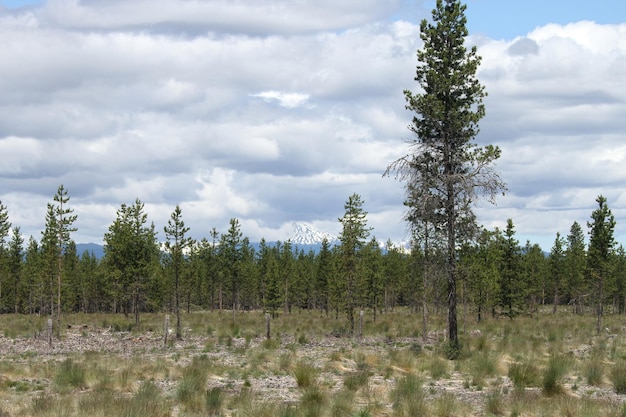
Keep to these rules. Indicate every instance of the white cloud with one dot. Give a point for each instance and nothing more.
(289, 100)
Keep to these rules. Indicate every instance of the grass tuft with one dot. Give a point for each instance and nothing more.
(524, 374)
(408, 398)
(553, 373)
(618, 377)
(69, 375)
(312, 402)
(593, 370)
(305, 374)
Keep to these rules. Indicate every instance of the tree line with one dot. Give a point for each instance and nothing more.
(497, 276)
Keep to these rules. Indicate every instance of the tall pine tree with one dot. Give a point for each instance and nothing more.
(443, 157)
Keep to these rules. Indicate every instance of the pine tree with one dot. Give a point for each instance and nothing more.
(287, 272)
(130, 254)
(324, 276)
(352, 238)
(272, 294)
(33, 278)
(15, 268)
(534, 270)
(5, 227)
(230, 253)
(176, 245)
(601, 248)
(556, 269)
(575, 264)
(620, 279)
(64, 221)
(511, 287)
(444, 160)
(485, 259)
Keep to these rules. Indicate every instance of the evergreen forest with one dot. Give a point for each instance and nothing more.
(497, 274)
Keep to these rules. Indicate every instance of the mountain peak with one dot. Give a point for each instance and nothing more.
(306, 234)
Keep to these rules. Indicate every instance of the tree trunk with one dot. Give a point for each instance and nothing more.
(600, 305)
(451, 229)
(179, 335)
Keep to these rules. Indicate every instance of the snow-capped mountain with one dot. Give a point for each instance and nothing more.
(306, 234)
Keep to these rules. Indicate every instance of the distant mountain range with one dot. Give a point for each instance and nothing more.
(303, 237)
(91, 248)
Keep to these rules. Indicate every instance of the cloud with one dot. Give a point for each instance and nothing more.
(275, 112)
(258, 17)
(289, 100)
(523, 46)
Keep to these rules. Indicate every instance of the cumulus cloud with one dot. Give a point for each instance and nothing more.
(277, 111)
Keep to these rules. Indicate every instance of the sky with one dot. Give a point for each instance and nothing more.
(275, 112)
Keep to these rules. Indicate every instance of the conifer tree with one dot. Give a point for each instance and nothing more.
(511, 287)
(230, 253)
(5, 227)
(556, 269)
(601, 248)
(353, 236)
(177, 243)
(16, 255)
(620, 279)
(575, 265)
(534, 270)
(443, 158)
(130, 253)
(64, 221)
(272, 294)
(33, 279)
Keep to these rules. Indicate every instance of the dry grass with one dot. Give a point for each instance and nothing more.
(104, 365)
